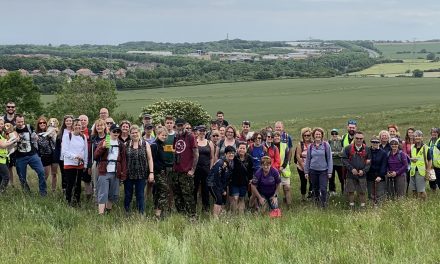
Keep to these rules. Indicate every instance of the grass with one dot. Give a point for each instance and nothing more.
(389, 50)
(394, 69)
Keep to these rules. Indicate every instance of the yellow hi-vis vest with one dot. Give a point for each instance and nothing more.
(345, 141)
(3, 152)
(286, 173)
(420, 163)
(435, 153)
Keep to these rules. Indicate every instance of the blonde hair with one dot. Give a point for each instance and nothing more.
(266, 160)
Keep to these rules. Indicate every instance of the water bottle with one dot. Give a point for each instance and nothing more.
(107, 141)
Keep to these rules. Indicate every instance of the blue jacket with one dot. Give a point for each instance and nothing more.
(219, 177)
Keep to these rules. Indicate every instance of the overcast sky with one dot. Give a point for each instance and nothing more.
(113, 22)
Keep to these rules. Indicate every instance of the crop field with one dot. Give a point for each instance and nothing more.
(395, 69)
(412, 50)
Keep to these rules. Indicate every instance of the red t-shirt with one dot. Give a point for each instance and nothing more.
(184, 146)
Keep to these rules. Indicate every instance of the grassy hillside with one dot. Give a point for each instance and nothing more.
(411, 50)
(394, 69)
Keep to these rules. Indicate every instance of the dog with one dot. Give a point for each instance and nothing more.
(11, 136)
(52, 129)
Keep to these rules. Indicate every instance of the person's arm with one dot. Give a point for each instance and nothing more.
(329, 159)
(86, 153)
(277, 159)
(211, 147)
(346, 158)
(286, 159)
(5, 144)
(257, 193)
(308, 158)
(298, 156)
(404, 166)
(367, 162)
(65, 148)
(150, 162)
(100, 150)
(195, 160)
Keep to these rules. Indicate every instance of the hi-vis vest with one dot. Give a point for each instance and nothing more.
(3, 152)
(420, 164)
(345, 141)
(435, 153)
(286, 173)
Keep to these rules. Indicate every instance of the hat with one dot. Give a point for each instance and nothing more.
(352, 122)
(374, 139)
(201, 127)
(335, 130)
(180, 121)
(149, 127)
(394, 140)
(435, 130)
(115, 127)
(229, 149)
(147, 115)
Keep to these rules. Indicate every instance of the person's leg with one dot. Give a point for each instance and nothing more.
(340, 177)
(46, 172)
(70, 178)
(87, 178)
(314, 179)
(63, 178)
(128, 194)
(113, 194)
(21, 166)
(78, 178)
(140, 194)
(54, 168)
(303, 183)
(204, 190)
(4, 177)
(323, 182)
(37, 166)
(177, 192)
(102, 186)
(400, 182)
(241, 204)
(362, 190)
(197, 180)
(331, 181)
(287, 193)
(234, 203)
(187, 185)
(162, 194)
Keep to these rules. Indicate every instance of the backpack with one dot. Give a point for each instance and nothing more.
(295, 160)
(362, 154)
(400, 153)
(45, 146)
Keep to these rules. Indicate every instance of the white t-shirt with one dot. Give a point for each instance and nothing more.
(113, 153)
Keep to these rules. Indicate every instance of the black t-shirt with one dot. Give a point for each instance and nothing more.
(25, 147)
(5, 117)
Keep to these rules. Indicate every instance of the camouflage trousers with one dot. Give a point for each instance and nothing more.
(183, 191)
(162, 192)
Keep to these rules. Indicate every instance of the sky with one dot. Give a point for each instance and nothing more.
(116, 21)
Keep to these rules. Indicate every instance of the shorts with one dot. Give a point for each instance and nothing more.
(108, 188)
(47, 160)
(417, 183)
(217, 194)
(239, 191)
(356, 185)
(285, 181)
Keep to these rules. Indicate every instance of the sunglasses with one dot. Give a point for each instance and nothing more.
(268, 136)
(42, 123)
(9, 106)
(116, 131)
(109, 123)
(334, 134)
(307, 135)
(259, 138)
(215, 135)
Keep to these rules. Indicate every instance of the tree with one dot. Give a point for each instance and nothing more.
(84, 96)
(21, 90)
(430, 56)
(192, 112)
(417, 73)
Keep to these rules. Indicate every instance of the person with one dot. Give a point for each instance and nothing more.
(9, 117)
(421, 163)
(265, 185)
(357, 159)
(240, 178)
(162, 180)
(347, 139)
(229, 140)
(300, 160)
(149, 134)
(4, 144)
(74, 149)
(215, 139)
(218, 180)
(434, 145)
(109, 122)
(147, 121)
(272, 151)
(66, 128)
(245, 130)
(285, 172)
(103, 113)
(125, 131)
(87, 172)
(26, 154)
(98, 134)
(46, 147)
(397, 166)
(222, 131)
(213, 127)
(140, 168)
(336, 148)
(112, 167)
(257, 151)
(406, 148)
(285, 138)
(204, 164)
(384, 141)
(221, 119)
(319, 166)
(393, 130)
(376, 181)
(185, 162)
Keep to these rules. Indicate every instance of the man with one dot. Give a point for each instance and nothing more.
(245, 129)
(351, 130)
(357, 159)
(87, 176)
(434, 147)
(26, 154)
(285, 138)
(103, 113)
(147, 121)
(9, 117)
(221, 119)
(185, 163)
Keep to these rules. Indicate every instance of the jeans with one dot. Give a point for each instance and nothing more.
(35, 163)
(319, 185)
(139, 188)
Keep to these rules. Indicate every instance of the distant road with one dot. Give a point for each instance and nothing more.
(371, 53)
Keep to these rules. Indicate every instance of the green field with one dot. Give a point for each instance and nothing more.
(389, 50)
(394, 69)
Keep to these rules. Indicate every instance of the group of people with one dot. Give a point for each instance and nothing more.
(178, 162)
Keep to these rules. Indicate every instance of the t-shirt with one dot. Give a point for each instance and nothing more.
(266, 185)
(169, 150)
(5, 118)
(256, 153)
(112, 155)
(25, 147)
(184, 145)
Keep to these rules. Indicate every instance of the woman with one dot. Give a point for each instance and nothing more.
(139, 165)
(125, 131)
(74, 150)
(272, 151)
(285, 166)
(148, 134)
(66, 128)
(222, 131)
(229, 140)
(112, 167)
(376, 185)
(162, 180)
(336, 148)
(204, 164)
(409, 140)
(257, 151)
(218, 180)
(420, 166)
(46, 149)
(109, 122)
(319, 166)
(4, 144)
(393, 130)
(98, 134)
(396, 170)
(241, 175)
(384, 141)
(300, 159)
(265, 185)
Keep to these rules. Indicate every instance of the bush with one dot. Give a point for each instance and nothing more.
(417, 73)
(192, 112)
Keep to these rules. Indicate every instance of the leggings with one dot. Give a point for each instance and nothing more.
(303, 181)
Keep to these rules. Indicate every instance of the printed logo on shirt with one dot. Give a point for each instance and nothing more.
(180, 146)
(24, 145)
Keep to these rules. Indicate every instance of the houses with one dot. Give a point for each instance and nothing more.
(85, 72)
